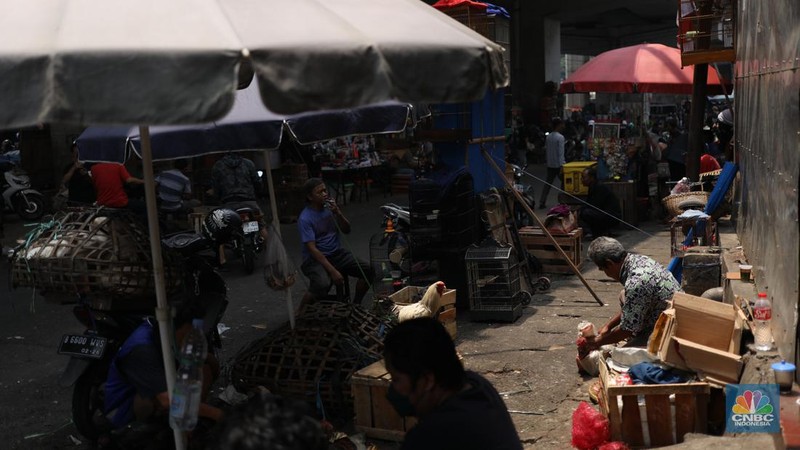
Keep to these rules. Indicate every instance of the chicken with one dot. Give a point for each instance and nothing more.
(426, 307)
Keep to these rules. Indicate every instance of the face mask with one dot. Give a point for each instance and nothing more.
(400, 403)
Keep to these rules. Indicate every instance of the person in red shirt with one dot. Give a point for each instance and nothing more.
(708, 163)
(109, 182)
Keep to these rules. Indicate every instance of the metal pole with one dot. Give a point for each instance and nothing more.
(276, 225)
(541, 225)
(163, 314)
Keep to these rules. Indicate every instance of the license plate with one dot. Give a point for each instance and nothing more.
(250, 227)
(82, 345)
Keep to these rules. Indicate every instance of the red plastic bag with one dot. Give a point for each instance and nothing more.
(589, 428)
(616, 445)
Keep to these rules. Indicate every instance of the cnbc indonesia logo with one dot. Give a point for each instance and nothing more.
(752, 409)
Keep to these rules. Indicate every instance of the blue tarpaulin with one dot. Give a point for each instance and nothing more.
(248, 126)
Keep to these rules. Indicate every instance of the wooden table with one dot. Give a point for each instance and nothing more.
(358, 176)
(625, 191)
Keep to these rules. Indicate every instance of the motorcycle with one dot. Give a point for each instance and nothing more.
(92, 352)
(247, 242)
(18, 196)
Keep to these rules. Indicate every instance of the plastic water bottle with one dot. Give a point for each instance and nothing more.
(185, 403)
(762, 315)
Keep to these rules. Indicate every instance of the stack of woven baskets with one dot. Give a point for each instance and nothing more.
(671, 202)
(315, 361)
(100, 253)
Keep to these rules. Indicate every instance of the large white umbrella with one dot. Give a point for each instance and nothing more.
(64, 61)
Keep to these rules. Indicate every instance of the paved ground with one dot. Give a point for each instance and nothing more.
(531, 359)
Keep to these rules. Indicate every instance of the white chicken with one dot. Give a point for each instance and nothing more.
(428, 304)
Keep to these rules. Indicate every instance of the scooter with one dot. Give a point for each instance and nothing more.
(396, 224)
(92, 352)
(18, 196)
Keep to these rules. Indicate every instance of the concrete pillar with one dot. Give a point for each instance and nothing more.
(536, 58)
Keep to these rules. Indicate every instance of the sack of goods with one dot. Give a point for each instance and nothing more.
(96, 252)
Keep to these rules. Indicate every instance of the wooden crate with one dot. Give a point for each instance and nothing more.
(669, 411)
(539, 245)
(446, 314)
(374, 415)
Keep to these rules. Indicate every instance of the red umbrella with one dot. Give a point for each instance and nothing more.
(639, 68)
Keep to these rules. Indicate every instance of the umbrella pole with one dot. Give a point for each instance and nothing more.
(162, 309)
(544, 229)
(276, 225)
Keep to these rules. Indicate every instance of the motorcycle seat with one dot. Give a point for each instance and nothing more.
(185, 242)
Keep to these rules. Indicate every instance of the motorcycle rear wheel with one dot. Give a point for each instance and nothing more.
(29, 207)
(88, 398)
(249, 259)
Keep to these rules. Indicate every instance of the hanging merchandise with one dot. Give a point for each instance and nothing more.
(279, 271)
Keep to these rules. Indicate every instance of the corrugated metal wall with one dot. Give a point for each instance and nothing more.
(767, 133)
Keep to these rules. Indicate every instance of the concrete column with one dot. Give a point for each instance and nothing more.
(537, 56)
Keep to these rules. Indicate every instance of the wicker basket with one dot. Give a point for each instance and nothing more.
(102, 253)
(672, 201)
(315, 361)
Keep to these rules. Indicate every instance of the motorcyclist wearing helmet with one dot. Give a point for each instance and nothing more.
(218, 227)
(236, 183)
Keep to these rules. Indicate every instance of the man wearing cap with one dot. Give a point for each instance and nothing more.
(325, 261)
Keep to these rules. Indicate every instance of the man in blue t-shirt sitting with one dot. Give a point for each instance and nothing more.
(324, 259)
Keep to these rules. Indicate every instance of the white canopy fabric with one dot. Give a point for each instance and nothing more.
(176, 61)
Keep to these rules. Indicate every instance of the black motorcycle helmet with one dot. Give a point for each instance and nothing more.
(220, 224)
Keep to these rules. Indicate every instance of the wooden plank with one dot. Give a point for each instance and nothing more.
(701, 413)
(384, 415)
(362, 405)
(659, 420)
(608, 403)
(374, 370)
(631, 421)
(614, 418)
(685, 405)
(660, 389)
(378, 433)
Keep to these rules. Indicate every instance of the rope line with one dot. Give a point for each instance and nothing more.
(583, 202)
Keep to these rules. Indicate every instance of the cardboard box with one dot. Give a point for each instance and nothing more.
(374, 415)
(446, 314)
(652, 415)
(701, 335)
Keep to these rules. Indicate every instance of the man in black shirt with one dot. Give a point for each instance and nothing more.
(456, 409)
(602, 211)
